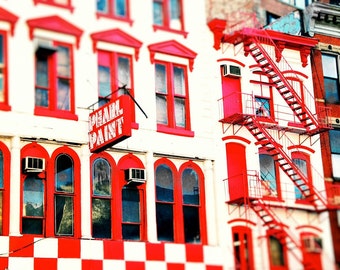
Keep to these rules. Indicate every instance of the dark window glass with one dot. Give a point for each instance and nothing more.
(101, 218)
(191, 224)
(131, 214)
(165, 220)
(276, 252)
(164, 184)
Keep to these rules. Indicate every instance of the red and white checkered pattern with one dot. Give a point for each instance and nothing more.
(28, 252)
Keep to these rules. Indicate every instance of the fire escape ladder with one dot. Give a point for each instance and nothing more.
(253, 46)
(276, 150)
(280, 231)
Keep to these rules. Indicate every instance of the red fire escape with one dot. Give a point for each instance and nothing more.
(256, 43)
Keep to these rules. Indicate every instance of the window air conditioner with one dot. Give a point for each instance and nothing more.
(231, 71)
(33, 164)
(312, 244)
(134, 175)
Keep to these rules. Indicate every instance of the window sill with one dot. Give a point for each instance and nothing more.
(69, 7)
(5, 107)
(175, 131)
(113, 17)
(164, 28)
(55, 114)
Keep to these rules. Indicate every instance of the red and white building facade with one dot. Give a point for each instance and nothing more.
(132, 138)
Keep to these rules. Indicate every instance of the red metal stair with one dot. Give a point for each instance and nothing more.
(253, 46)
(276, 150)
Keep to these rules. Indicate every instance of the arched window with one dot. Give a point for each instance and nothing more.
(34, 188)
(269, 174)
(101, 198)
(64, 195)
(180, 209)
(191, 205)
(301, 160)
(133, 214)
(243, 248)
(165, 203)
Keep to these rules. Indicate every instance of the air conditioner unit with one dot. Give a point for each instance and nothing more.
(334, 121)
(45, 47)
(231, 71)
(312, 244)
(33, 164)
(136, 176)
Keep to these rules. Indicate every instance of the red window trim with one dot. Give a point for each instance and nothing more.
(272, 232)
(111, 14)
(114, 187)
(54, 24)
(126, 162)
(304, 156)
(34, 150)
(171, 127)
(6, 189)
(172, 47)
(5, 105)
(52, 110)
(179, 236)
(245, 231)
(50, 192)
(53, 3)
(166, 25)
(8, 17)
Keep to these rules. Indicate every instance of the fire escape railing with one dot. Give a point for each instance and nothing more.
(253, 192)
(264, 50)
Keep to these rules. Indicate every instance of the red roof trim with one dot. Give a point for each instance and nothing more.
(56, 24)
(8, 17)
(172, 47)
(116, 36)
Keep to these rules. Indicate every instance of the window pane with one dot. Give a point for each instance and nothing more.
(41, 97)
(161, 79)
(262, 106)
(276, 252)
(131, 205)
(302, 165)
(104, 83)
(158, 13)
(175, 12)
(124, 77)
(334, 138)
(102, 6)
(191, 224)
(101, 177)
(335, 165)
(63, 60)
(329, 66)
(32, 226)
(120, 8)
(165, 220)
(42, 71)
(267, 171)
(162, 109)
(190, 187)
(63, 94)
(164, 184)
(180, 112)
(331, 90)
(101, 218)
(179, 83)
(64, 174)
(33, 199)
(131, 232)
(63, 215)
